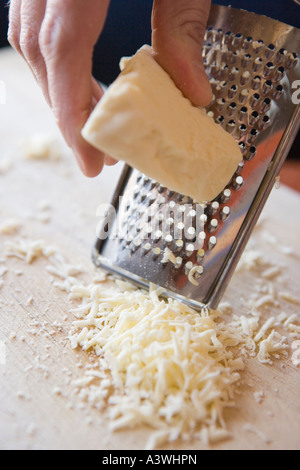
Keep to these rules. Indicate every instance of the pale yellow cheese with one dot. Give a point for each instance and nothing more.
(144, 120)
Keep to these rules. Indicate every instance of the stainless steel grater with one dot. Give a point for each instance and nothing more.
(156, 236)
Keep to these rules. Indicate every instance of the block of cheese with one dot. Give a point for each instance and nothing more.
(144, 120)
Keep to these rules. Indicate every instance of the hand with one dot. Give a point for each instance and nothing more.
(178, 28)
(57, 39)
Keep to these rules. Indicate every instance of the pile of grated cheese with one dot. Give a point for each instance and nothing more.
(166, 366)
(171, 367)
(159, 363)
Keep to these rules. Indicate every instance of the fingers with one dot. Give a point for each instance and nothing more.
(178, 29)
(67, 41)
(32, 15)
(57, 38)
(14, 29)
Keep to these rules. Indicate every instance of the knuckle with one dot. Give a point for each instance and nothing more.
(194, 30)
(13, 38)
(190, 22)
(52, 40)
(46, 37)
(29, 44)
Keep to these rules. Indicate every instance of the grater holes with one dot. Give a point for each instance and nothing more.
(250, 153)
(203, 218)
(232, 91)
(232, 107)
(150, 199)
(230, 126)
(213, 225)
(200, 255)
(223, 71)
(146, 248)
(214, 70)
(225, 213)
(279, 74)
(240, 167)
(188, 267)
(237, 182)
(254, 100)
(270, 50)
(178, 246)
(148, 229)
(208, 33)
(225, 195)
(281, 55)
(213, 208)
(178, 262)
(227, 37)
(233, 57)
(245, 77)
(257, 64)
(221, 87)
(212, 242)
(220, 119)
(255, 85)
(264, 122)
(128, 239)
(152, 185)
(242, 146)
(136, 244)
(247, 42)
(233, 73)
(257, 46)
(201, 239)
(157, 236)
(237, 39)
(252, 136)
(266, 87)
(246, 59)
(243, 96)
(265, 105)
(278, 92)
(156, 252)
(268, 69)
(136, 191)
(291, 60)
(191, 234)
(189, 249)
(143, 195)
(220, 102)
(160, 189)
(242, 114)
(253, 118)
(139, 226)
(242, 130)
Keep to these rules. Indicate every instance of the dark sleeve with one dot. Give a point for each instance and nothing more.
(127, 28)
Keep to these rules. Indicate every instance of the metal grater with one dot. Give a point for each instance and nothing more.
(188, 249)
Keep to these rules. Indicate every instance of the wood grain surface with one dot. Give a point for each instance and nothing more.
(52, 201)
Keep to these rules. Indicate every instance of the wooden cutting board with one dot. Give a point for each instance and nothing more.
(54, 202)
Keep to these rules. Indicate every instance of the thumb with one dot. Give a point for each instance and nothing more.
(178, 29)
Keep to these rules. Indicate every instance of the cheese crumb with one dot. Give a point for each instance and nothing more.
(42, 146)
(9, 227)
(3, 270)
